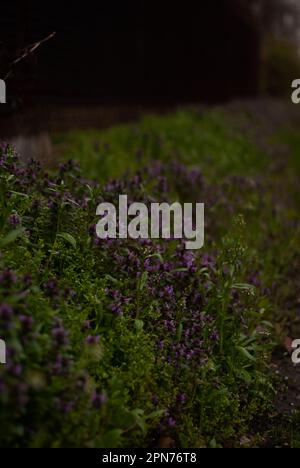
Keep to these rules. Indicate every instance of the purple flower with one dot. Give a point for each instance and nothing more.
(8, 278)
(15, 369)
(52, 205)
(6, 311)
(188, 259)
(98, 400)
(69, 293)
(214, 336)
(63, 168)
(154, 400)
(60, 335)
(170, 326)
(167, 292)
(116, 309)
(171, 422)
(161, 345)
(51, 289)
(116, 294)
(181, 398)
(65, 406)
(26, 321)
(255, 280)
(61, 365)
(14, 220)
(27, 280)
(162, 184)
(208, 261)
(92, 340)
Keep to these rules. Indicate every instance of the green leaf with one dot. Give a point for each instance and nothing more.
(180, 270)
(158, 256)
(19, 194)
(144, 280)
(111, 279)
(214, 444)
(11, 237)
(68, 238)
(244, 287)
(139, 325)
(179, 332)
(155, 415)
(111, 439)
(69, 202)
(140, 419)
(246, 376)
(246, 353)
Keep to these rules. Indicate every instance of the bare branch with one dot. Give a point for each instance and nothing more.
(27, 51)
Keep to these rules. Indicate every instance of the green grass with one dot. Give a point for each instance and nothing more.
(192, 137)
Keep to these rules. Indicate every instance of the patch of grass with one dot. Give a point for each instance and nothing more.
(189, 136)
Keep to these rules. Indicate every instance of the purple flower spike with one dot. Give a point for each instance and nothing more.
(171, 422)
(14, 220)
(98, 400)
(6, 311)
(92, 340)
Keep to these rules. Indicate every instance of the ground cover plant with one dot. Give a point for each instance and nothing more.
(131, 343)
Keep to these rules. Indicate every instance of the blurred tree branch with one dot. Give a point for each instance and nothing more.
(25, 53)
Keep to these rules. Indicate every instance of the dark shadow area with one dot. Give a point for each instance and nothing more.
(132, 53)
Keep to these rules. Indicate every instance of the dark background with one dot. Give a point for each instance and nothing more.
(132, 51)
